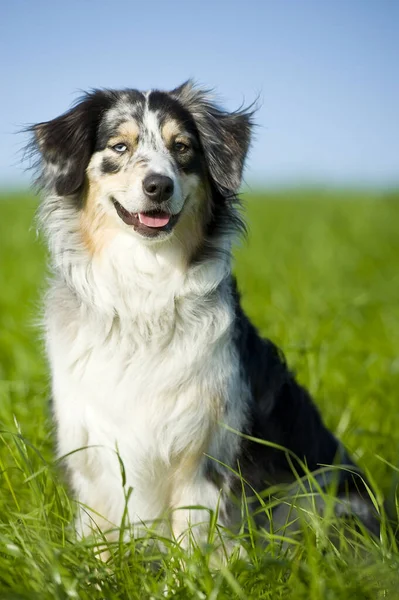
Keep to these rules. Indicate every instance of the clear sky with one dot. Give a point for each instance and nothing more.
(326, 73)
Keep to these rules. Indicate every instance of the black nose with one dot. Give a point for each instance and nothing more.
(158, 187)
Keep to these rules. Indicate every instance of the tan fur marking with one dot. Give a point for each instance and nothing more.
(97, 227)
(127, 132)
(171, 130)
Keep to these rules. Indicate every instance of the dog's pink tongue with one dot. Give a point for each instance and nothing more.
(154, 221)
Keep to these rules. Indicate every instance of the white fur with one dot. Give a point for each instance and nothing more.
(143, 366)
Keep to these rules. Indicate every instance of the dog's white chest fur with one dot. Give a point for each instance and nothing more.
(147, 385)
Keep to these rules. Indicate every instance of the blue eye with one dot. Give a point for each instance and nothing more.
(120, 148)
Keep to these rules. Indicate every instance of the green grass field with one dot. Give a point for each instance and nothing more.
(319, 275)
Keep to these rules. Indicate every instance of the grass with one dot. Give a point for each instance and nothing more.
(319, 276)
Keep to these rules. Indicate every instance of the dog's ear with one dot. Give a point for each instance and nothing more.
(67, 142)
(225, 136)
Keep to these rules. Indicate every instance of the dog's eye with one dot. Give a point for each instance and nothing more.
(181, 147)
(120, 148)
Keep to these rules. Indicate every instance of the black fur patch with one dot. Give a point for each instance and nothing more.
(109, 166)
(168, 107)
(131, 103)
(282, 412)
(68, 141)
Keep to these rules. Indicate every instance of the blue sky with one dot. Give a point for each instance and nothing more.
(326, 73)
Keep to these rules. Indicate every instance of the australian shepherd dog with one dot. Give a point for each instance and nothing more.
(156, 370)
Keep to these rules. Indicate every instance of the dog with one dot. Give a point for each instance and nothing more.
(156, 370)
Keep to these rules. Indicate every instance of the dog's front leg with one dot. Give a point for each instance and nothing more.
(199, 514)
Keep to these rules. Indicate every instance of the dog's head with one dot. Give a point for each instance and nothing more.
(145, 162)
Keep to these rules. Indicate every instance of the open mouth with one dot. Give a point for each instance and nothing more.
(149, 223)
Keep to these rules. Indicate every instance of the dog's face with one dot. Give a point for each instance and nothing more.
(148, 163)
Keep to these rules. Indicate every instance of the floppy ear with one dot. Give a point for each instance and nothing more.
(225, 137)
(67, 142)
